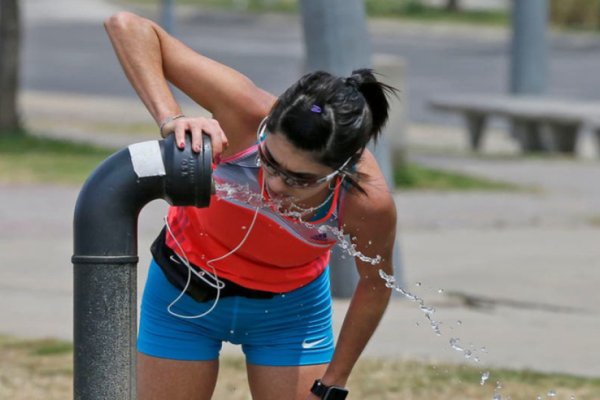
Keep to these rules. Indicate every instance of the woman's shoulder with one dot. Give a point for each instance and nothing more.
(375, 207)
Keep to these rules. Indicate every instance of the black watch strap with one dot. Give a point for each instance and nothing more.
(328, 392)
(319, 389)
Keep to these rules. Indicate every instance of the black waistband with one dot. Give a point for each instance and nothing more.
(177, 272)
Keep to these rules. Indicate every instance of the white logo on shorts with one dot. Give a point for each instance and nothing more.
(310, 345)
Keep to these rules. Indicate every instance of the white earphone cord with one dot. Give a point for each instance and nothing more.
(215, 283)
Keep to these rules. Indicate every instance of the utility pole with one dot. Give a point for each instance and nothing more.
(167, 15)
(529, 47)
(337, 41)
(529, 64)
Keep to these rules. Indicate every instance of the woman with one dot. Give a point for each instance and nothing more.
(257, 275)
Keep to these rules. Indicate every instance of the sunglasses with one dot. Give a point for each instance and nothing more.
(291, 179)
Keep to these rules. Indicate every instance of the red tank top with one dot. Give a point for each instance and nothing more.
(279, 255)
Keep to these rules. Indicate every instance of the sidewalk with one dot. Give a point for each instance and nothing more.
(512, 272)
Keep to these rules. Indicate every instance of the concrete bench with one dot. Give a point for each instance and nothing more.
(538, 123)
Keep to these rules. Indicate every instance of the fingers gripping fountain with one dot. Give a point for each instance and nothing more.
(105, 255)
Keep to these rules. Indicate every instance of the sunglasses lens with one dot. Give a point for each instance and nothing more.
(273, 170)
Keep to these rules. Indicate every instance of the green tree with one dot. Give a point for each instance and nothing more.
(9, 66)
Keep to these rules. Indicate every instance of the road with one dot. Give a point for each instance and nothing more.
(69, 52)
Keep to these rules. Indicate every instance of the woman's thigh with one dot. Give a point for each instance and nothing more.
(159, 378)
(276, 383)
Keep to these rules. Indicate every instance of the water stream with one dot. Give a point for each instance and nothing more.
(471, 353)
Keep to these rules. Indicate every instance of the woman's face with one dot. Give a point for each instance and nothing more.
(284, 157)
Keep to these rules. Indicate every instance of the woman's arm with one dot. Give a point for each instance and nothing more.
(151, 57)
(371, 296)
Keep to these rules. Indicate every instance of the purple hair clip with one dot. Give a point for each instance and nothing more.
(316, 109)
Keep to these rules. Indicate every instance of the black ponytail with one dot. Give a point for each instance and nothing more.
(375, 93)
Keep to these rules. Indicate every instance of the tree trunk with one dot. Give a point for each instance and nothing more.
(9, 66)
(452, 5)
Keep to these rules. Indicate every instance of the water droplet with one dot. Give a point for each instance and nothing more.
(232, 331)
(440, 291)
(459, 322)
(418, 284)
(454, 343)
(484, 377)
(427, 310)
(266, 311)
(283, 295)
(551, 393)
(244, 227)
(370, 242)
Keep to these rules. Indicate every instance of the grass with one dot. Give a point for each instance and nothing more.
(42, 369)
(594, 220)
(406, 9)
(414, 176)
(412, 9)
(30, 159)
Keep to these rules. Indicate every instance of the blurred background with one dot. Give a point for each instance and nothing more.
(501, 240)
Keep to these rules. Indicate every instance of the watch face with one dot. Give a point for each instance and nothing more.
(336, 393)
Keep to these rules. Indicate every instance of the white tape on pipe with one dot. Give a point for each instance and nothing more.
(146, 159)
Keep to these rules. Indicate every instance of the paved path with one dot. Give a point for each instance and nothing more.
(518, 269)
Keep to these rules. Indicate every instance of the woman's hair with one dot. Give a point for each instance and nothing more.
(333, 117)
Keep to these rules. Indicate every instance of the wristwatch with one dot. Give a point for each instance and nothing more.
(328, 392)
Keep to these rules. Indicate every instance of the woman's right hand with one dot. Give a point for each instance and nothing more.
(195, 127)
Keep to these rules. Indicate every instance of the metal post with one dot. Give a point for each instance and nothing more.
(528, 62)
(105, 256)
(105, 328)
(337, 40)
(529, 47)
(167, 15)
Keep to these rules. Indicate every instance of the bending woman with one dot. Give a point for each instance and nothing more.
(257, 275)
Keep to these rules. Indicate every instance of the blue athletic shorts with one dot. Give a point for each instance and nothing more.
(289, 329)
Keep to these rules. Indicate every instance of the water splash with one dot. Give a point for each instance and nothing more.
(390, 282)
(243, 193)
(484, 377)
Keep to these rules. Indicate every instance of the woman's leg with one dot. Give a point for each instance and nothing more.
(177, 357)
(288, 341)
(160, 378)
(276, 383)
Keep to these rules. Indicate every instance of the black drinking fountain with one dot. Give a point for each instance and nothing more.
(106, 256)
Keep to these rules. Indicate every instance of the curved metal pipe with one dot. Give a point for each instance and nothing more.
(105, 255)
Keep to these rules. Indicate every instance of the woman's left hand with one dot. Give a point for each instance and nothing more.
(195, 127)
